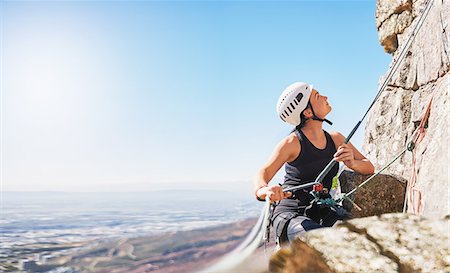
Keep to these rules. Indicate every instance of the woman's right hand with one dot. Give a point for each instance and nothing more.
(275, 193)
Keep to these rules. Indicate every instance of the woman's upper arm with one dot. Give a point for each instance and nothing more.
(284, 152)
(339, 139)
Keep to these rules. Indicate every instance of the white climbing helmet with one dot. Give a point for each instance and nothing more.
(293, 101)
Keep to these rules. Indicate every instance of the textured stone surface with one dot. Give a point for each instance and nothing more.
(396, 24)
(382, 194)
(414, 243)
(392, 18)
(422, 74)
(388, 243)
(395, 242)
(386, 9)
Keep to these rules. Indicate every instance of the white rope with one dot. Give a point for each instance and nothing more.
(257, 235)
(254, 240)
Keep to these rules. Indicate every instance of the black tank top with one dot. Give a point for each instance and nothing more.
(304, 169)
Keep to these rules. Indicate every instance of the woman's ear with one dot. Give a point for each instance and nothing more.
(308, 113)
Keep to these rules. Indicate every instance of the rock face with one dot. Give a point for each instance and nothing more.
(388, 243)
(423, 74)
(382, 194)
(396, 242)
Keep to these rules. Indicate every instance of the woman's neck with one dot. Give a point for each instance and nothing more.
(313, 129)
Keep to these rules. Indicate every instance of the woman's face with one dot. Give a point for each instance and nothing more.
(320, 104)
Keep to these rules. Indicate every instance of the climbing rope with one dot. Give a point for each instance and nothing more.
(391, 72)
(444, 38)
(254, 240)
(416, 137)
(375, 174)
(258, 234)
(413, 194)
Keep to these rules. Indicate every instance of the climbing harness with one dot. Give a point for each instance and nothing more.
(317, 191)
(259, 233)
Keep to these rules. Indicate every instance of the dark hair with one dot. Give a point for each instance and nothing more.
(302, 120)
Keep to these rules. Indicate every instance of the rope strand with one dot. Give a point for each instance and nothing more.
(391, 72)
(253, 241)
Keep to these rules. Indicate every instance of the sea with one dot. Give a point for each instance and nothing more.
(30, 218)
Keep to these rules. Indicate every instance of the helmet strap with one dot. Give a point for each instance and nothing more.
(316, 117)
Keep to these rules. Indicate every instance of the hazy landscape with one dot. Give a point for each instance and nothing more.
(88, 232)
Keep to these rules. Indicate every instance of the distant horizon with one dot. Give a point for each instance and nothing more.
(141, 192)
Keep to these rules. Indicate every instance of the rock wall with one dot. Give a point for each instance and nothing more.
(382, 194)
(395, 242)
(423, 74)
(388, 243)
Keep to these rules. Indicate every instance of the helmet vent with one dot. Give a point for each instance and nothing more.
(293, 101)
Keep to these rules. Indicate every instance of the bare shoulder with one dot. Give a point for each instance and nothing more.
(291, 146)
(291, 138)
(337, 137)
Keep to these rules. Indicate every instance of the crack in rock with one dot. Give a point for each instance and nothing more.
(398, 10)
(402, 268)
(415, 87)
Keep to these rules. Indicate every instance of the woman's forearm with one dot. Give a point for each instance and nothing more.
(363, 166)
(260, 181)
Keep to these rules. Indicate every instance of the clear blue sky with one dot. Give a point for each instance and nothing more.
(150, 95)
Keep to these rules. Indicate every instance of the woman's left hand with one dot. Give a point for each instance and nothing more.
(345, 154)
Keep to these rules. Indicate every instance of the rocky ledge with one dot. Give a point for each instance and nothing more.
(388, 243)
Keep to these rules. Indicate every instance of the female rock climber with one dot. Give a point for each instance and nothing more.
(305, 153)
